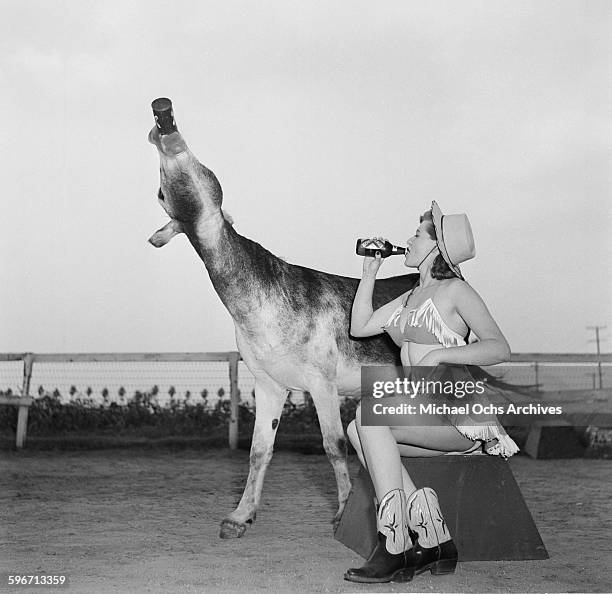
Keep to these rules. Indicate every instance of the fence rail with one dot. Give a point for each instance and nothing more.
(24, 399)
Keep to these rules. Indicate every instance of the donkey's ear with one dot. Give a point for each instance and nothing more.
(161, 237)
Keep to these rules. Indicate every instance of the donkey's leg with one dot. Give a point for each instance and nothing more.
(325, 398)
(269, 400)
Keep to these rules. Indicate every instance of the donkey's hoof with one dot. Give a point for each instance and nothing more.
(336, 519)
(232, 529)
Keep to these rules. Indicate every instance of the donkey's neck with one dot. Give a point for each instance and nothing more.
(244, 274)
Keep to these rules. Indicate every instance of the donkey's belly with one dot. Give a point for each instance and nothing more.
(348, 380)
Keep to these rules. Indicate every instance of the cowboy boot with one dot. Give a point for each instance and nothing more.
(388, 560)
(433, 547)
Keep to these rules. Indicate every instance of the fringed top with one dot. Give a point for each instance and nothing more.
(426, 316)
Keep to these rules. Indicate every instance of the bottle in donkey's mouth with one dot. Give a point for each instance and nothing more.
(171, 139)
(369, 247)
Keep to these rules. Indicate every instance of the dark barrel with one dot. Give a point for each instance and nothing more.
(164, 116)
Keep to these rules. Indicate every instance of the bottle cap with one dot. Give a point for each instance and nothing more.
(164, 115)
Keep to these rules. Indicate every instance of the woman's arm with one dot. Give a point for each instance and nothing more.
(364, 320)
(492, 346)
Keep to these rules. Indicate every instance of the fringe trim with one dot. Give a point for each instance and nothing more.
(428, 317)
(505, 446)
(394, 317)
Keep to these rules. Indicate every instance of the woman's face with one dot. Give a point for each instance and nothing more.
(419, 246)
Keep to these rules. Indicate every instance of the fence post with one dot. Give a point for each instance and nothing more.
(22, 415)
(234, 399)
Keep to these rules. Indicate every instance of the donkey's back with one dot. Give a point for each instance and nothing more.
(308, 329)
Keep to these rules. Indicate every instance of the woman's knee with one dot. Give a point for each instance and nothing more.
(358, 416)
(351, 431)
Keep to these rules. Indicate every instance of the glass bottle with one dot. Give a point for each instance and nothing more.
(369, 247)
(171, 140)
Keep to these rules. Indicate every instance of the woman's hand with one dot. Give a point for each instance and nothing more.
(372, 264)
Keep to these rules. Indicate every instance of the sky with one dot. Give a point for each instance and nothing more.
(324, 122)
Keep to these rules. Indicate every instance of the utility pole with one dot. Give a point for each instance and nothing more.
(597, 341)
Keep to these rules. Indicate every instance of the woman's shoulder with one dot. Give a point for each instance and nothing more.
(455, 289)
(450, 285)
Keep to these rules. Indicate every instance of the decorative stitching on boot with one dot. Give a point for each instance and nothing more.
(426, 520)
(391, 521)
(433, 504)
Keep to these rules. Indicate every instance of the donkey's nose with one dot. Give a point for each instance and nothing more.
(155, 138)
(168, 145)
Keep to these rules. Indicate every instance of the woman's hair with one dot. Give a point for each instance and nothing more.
(439, 268)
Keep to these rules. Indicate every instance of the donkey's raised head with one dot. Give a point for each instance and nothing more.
(189, 192)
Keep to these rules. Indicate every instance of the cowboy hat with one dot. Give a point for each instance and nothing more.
(454, 237)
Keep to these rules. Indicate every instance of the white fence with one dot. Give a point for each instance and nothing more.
(139, 363)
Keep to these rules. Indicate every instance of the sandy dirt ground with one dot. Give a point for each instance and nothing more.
(148, 521)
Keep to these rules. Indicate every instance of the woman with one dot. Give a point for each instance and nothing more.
(430, 324)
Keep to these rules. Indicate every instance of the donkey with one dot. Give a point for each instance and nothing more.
(291, 322)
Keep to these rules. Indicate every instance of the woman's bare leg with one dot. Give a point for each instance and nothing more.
(437, 440)
(382, 459)
(405, 450)
(407, 483)
(381, 454)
